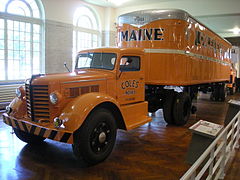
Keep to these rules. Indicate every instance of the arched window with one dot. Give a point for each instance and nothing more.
(21, 39)
(86, 33)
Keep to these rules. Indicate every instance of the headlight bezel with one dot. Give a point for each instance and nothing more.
(20, 92)
(54, 97)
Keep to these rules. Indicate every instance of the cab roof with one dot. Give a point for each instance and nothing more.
(115, 50)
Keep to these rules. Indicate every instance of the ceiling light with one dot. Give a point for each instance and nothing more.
(236, 30)
(117, 2)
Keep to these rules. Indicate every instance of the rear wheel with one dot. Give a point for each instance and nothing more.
(28, 138)
(215, 93)
(231, 91)
(168, 107)
(95, 139)
(222, 92)
(181, 108)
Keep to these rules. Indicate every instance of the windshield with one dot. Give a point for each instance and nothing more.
(96, 61)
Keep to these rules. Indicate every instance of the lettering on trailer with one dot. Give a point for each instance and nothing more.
(153, 34)
(204, 40)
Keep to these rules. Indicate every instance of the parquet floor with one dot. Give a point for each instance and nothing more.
(152, 151)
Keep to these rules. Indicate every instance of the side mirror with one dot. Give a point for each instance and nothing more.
(65, 65)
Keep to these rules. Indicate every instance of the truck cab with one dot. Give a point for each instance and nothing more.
(105, 92)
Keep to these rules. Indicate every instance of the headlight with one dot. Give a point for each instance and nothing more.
(20, 92)
(53, 98)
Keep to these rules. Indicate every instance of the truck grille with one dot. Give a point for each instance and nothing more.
(37, 102)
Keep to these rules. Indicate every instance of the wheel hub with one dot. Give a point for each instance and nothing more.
(102, 137)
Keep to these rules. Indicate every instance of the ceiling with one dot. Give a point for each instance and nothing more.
(220, 19)
(123, 3)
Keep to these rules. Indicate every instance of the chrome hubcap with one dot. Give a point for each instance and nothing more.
(102, 137)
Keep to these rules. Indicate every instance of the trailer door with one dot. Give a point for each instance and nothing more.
(130, 83)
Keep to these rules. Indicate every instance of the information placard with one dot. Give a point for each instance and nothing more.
(235, 102)
(206, 128)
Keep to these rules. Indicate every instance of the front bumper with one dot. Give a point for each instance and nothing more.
(47, 131)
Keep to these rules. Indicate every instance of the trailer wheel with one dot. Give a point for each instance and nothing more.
(222, 92)
(181, 108)
(231, 91)
(95, 139)
(215, 95)
(168, 107)
(28, 138)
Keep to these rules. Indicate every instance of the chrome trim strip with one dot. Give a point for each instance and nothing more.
(85, 80)
(140, 18)
(177, 51)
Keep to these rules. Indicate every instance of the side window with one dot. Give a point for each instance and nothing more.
(130, 63)
(197, 38)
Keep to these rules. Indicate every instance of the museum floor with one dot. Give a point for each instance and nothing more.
(152, 151)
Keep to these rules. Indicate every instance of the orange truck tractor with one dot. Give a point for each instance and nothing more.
(162, 59)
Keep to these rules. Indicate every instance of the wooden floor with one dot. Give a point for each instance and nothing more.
(152, 151)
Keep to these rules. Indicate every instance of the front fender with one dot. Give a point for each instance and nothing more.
(74, 114)
(19, 108)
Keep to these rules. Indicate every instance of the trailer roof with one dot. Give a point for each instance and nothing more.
(143, 17)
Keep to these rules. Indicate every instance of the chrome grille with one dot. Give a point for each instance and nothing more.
(37, 102)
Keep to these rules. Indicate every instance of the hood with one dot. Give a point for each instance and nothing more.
(73, 76)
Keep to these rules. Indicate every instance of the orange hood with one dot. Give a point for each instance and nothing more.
(85, 74)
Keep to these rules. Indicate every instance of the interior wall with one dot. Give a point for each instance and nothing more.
(59, 31)
(109, 33)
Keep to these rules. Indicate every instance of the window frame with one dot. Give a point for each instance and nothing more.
(6, 17)
(87, 54)
(135, 70)
(94, 31)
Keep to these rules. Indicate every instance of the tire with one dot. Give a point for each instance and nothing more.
(94, 140)
(222, 92)
(181, 108)
(153, 105)
(168, 107)
(193, 109)
(230, 90)
(28, 138)
(215, 94)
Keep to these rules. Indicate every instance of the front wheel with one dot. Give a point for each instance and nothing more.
(95, 139)
(28, 138)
